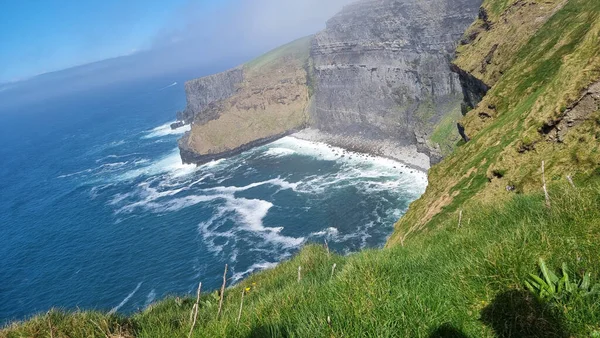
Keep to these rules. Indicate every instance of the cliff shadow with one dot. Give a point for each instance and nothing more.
(520, 314)
(447, 331)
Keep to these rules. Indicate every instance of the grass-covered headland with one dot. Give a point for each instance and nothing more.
(483, 253)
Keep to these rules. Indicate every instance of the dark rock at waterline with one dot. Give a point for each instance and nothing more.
(189, 156)
(177, 125)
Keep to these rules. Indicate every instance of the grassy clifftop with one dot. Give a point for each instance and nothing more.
(298, 50)
(271, 100)
(457, 263)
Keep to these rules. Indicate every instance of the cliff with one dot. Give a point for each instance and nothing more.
(382, 69)
(248, 106)
(379, 72)
(212, 88)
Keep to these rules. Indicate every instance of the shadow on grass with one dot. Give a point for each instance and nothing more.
(447, 331)
(268, 331)
(519, 314)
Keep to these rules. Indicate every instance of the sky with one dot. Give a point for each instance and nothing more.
(40, 36)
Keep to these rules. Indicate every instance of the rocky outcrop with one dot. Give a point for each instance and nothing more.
(382, 68)
(473, 90)
(579, 112)
(252, 105)
(202, 92)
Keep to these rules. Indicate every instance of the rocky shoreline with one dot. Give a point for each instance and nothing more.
(407, 155)
(189, 156)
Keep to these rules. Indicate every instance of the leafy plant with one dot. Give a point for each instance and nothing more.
(550, 286)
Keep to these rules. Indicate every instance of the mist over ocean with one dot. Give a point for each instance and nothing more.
(97, 211)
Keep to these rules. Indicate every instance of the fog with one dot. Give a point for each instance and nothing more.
(196, 41)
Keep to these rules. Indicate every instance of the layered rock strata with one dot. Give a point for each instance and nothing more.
(202, 92)
(379, 72)
(382, 68)
(248, 106)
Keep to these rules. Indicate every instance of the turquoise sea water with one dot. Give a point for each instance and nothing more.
(97, 211)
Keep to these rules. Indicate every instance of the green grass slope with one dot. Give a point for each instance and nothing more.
(457, 263)
(298, 49)
(550, 72)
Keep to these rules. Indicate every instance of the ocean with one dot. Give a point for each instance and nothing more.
(98, 212)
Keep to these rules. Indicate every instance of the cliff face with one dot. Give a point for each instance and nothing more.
(202, 92)
(248, 106)
(382, 68)
(380, 71)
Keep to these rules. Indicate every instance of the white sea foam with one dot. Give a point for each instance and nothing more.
(165, 130)
(107, 167)
(329, 233)
(213, 163)
(95, 191)
(372, 176)
(385, 173)
(116, 308)
(283, 184)
(76, 173)
(112, 165)
(149, 197)
(248, 215)
(237, 223)
(279, 152)
(318, 150)
(150, 298)
(118, 198)
(209, 231)
(251, 212)
(255, 267)
(170, 164)
(200, 180)
(116, 143)
(140, 161)
(110, 157)
(181, 203)
(169, 86)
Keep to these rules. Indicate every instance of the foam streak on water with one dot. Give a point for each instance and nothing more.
(291, 183)
(268, 202)
(136, 213)
(165, 130)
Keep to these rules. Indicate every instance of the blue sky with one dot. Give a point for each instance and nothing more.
(39, 36)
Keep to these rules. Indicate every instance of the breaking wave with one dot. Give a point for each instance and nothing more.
(165, 130)
(170, 164)
(258, 208)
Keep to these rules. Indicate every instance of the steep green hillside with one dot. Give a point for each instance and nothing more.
(540, 89)
(457, 264)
